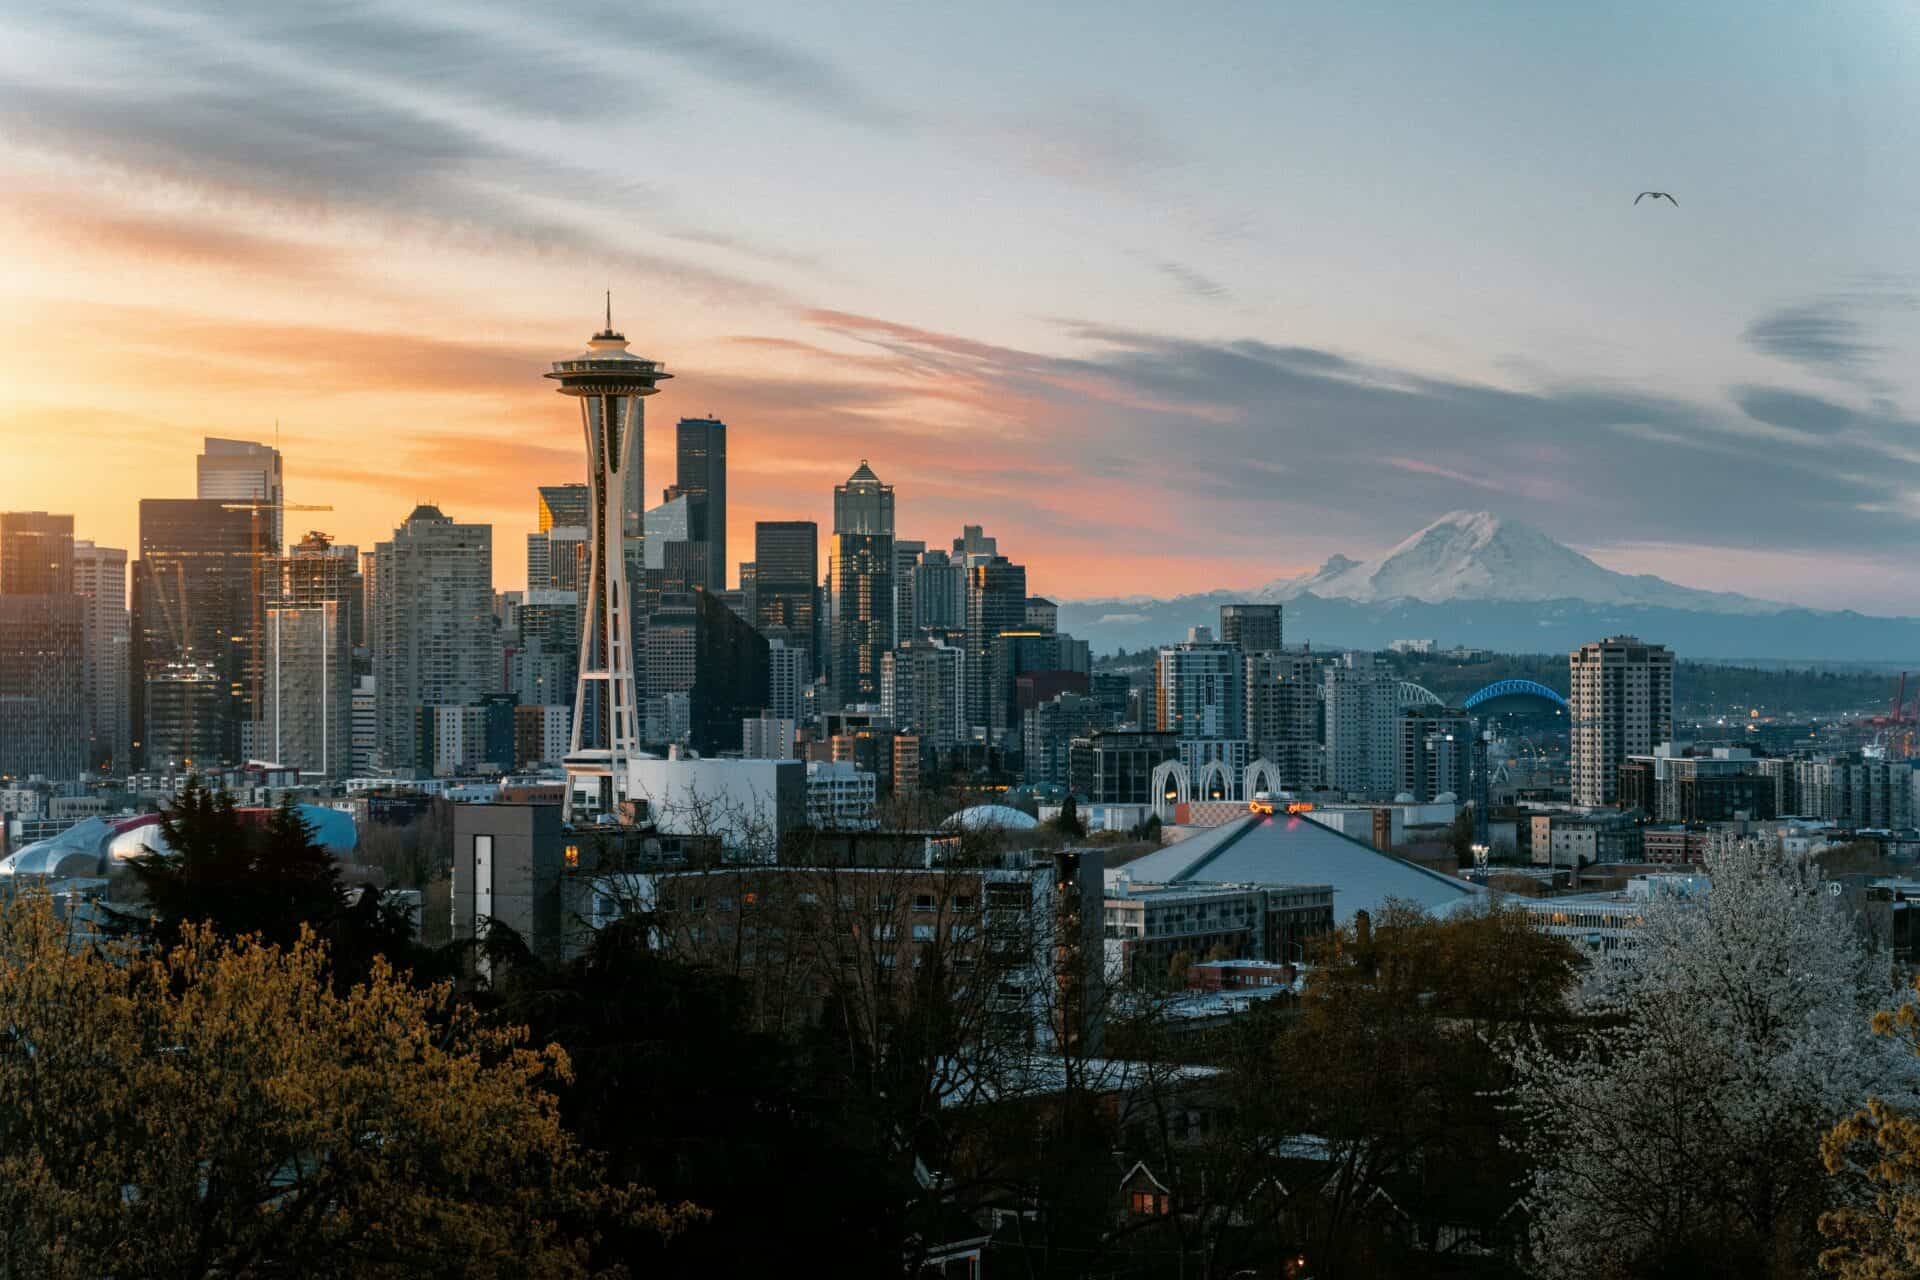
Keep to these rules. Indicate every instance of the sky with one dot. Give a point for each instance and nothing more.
(1169, 298)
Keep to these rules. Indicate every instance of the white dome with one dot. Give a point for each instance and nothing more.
(992, 817)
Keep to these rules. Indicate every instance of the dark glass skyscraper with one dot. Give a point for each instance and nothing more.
(996, 602)
(192, 660)
(786, 577)
(700, 474)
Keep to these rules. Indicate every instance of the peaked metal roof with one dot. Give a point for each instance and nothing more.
(1291, 849)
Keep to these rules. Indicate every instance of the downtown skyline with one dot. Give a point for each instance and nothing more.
(1165, 318)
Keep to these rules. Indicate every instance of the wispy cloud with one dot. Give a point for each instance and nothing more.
(1191, 281)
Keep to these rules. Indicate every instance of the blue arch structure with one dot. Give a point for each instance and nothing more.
(1509, 688)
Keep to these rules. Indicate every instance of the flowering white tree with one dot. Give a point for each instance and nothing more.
(1677, 1130)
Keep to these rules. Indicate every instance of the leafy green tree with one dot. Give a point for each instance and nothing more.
(1068, 822)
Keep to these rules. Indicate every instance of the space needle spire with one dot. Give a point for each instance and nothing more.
(610, 382)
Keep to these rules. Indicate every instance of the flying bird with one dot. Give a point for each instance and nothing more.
(1657, 195)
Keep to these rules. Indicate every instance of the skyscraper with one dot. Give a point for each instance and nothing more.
(860, 567)
(563, 505)
(939, 593)
(1283, 713)
(906, 559)
(100, 578)
(36, 553)
(432, 629)
(1198, 689)
(611, 384)
(43, 707)
(243, 471)
(786, 576)
(1254, 627)
(996, 602)
(192, 659)
(307, 716)
(1622, 705)
(1362, 703)
(700, 474)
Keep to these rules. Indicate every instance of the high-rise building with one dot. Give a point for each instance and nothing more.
(366, 725)
(192, 659)
(1283, 713)
(786, 579)
(860, 566)
(1043, 615)
(789, 672)
(307, 686)
(1048, 731)
(611, 384)
(563, 506)
(996, 602)
(973, 542)
(1199, 689)
(939, 593)
(36, 553)
(244, 471)
(1361, 703)
(100, 578)
(43, 703)
(700, 475)
(700, 651)
(1254, 627)
(920, 692)
(1622, 705)
(906, 559)
(432, 628)
(1433, 753)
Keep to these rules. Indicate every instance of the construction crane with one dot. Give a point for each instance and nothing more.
(256, 661)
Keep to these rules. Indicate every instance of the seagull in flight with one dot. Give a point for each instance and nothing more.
(1657, 195)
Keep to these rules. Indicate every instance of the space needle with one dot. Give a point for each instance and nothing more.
(610, 382)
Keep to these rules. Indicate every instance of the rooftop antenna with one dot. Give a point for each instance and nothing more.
(609, 311)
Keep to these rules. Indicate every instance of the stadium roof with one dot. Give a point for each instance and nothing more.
(1292, 849)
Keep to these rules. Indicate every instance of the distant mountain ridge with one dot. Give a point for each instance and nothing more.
(1473, 578)
(1476, 555)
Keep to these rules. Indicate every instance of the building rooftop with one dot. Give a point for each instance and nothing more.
(1283, 849)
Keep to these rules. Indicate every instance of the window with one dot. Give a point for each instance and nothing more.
(924, 902)
(963, 904)
(1148, 1202)
(923, 933)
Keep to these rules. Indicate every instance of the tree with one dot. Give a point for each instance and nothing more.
(1678, 1134)
(1068, 822)
(272, 884)
(1874, 1233)
(220, 1104)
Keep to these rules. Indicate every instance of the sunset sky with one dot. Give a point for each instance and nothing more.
(1168, 297)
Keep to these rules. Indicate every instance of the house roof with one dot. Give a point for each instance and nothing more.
(1288, 849)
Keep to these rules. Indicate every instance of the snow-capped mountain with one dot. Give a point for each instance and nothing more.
(1475, 555)
(1475, 579)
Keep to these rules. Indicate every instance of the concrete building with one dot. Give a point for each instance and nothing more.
(100, 578)
(1121, 765)
(906, 562)
(840, 795)
(860, 567)
(767, 737)
(366, 725)
(1048, 731)
(1621, 705)
(432, 632)
(507, 864)
(745, 804)
(1362, 702)
(1433, 753)
(920, 687)
(1256, 628)
(541, 733)
(1147, 925)
(1283, 713)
